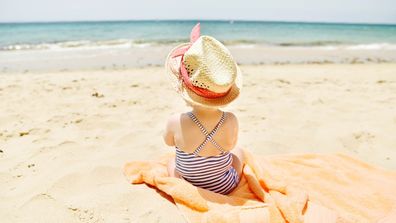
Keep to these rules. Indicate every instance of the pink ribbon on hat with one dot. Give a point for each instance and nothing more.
(195, 33)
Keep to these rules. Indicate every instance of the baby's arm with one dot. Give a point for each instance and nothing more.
(169, 131)
(234, 127)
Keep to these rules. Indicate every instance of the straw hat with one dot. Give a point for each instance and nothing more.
(203, 71)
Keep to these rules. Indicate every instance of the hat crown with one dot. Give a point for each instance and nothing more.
(210, 65)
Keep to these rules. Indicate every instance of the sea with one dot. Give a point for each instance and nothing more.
(126, 34)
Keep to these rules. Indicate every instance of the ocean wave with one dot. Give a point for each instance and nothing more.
(89, 44)
(80, 44)
(129, 43)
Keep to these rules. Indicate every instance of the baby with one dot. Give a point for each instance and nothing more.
(207, 78)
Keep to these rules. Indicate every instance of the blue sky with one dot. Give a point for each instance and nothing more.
(353, 11)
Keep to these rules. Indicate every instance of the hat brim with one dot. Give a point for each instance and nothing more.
(172, 66)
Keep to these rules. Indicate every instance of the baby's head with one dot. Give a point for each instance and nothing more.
(204, 72)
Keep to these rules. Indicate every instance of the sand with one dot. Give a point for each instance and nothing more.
(65, 136)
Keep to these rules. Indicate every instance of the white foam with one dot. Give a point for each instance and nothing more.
(373, 46)
(78, 45)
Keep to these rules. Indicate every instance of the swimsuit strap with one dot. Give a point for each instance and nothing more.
(209, 136)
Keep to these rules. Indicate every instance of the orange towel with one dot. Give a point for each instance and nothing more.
(284, 188)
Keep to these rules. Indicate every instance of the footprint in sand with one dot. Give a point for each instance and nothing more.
(86, 215)
(45, 208)
(74, 186)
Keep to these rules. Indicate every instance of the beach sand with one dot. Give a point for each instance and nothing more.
(65, 136)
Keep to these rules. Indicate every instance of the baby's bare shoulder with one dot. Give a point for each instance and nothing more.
(231, 117)
(231, 121)
(175, 120)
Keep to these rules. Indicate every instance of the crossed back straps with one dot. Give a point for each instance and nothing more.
(209, 135)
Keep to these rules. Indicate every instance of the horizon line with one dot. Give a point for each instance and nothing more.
(195, 20)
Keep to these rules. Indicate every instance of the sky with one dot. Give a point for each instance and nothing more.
(349, 11)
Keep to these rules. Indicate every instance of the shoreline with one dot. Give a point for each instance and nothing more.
(28, 61)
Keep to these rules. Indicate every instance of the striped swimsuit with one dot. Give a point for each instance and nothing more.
(214, 173)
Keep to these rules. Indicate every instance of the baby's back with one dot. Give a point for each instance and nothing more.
(202, 150)
(188, 135)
